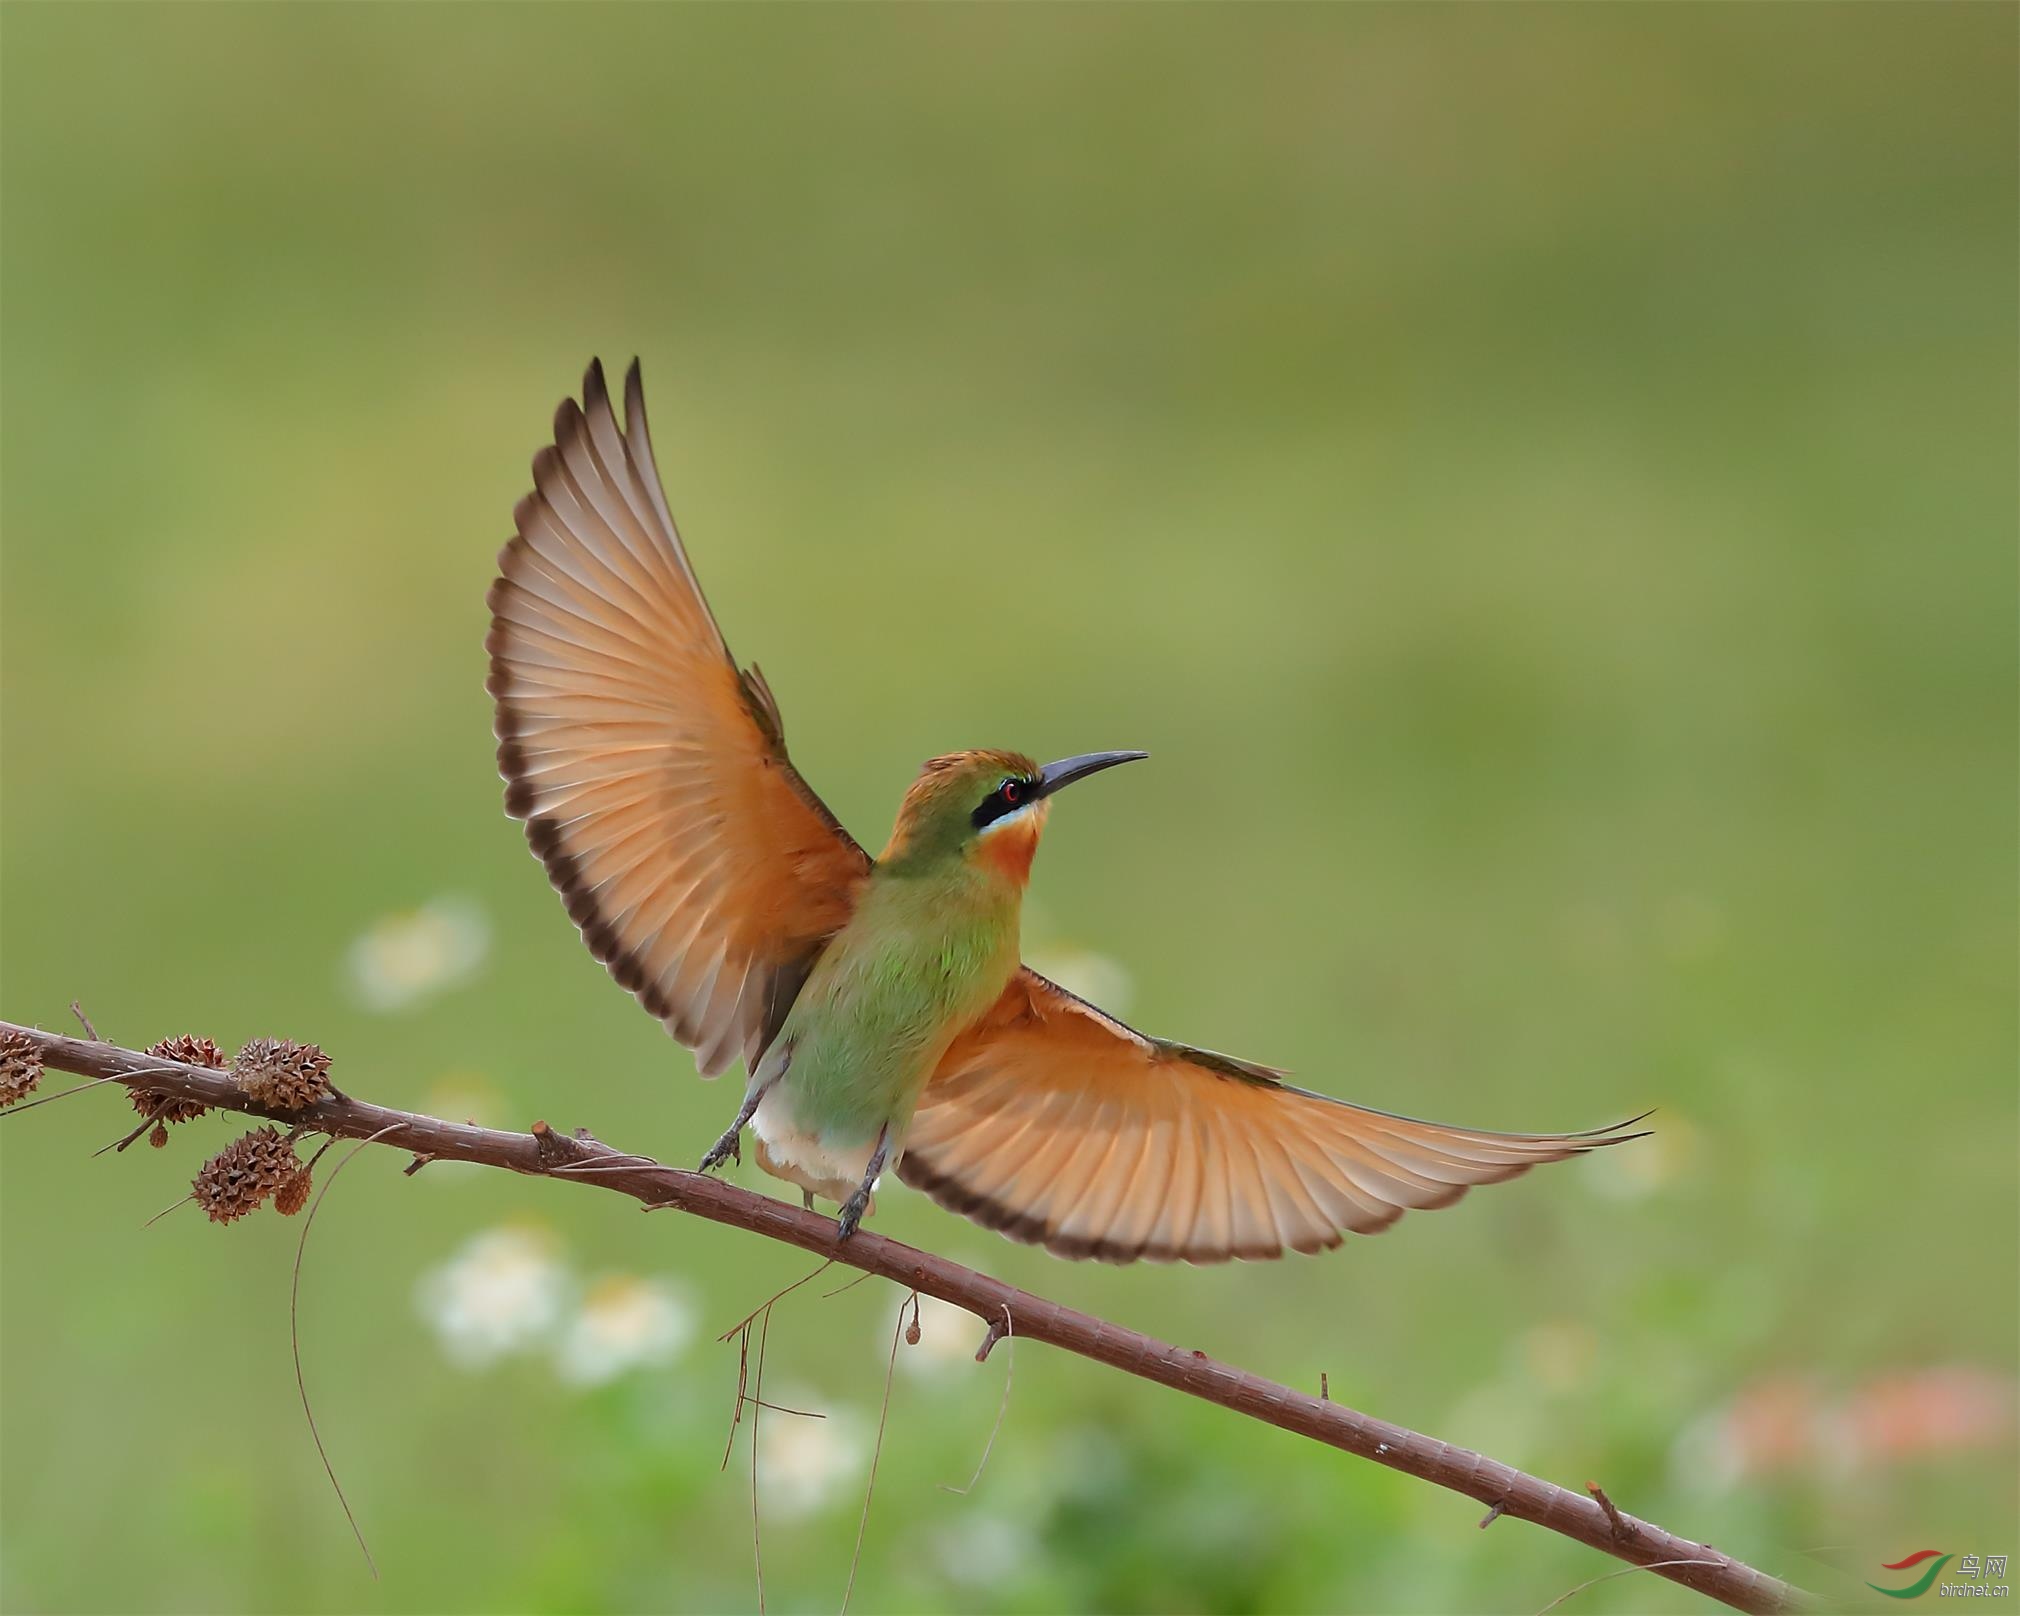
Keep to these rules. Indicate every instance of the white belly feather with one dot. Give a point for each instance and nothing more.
(787, 1150)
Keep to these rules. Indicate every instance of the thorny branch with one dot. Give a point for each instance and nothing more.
(544, 1153)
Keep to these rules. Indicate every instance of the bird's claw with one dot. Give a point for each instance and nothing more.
(851, 1217)
(727, 1148)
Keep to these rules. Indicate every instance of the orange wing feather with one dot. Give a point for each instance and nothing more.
(651, 773)
(1060, 1126)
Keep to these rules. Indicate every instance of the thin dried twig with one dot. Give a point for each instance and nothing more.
(1521, 1496)
(1594, 1582)
(295, 1345)
(742, 1396)
(1002, 1408)
(16, 1109)
(780, 1408)
(146, 1122)
(774, 1299)
(164, 1212)
(877, 1450)
(760, 1318)
(757, 1548)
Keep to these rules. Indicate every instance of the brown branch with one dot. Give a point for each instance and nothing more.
(547, 1153)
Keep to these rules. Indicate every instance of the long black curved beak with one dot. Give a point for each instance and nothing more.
(1058, 776)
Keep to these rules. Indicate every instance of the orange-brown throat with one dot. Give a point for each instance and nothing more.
(1009, 848)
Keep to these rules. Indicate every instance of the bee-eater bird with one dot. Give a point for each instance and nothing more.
(879, 1005)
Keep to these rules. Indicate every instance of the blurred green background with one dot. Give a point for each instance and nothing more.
(1541, 483)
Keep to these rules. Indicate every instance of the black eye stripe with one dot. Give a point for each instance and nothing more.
(1007, 798)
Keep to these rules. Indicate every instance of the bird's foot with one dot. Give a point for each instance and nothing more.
(728, 1148)
(859, 1203)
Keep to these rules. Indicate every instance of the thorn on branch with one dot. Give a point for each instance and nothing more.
(420, 1160)
(998, 1329)
(1325, 1388)
(149, 1120)
(84, 1021)
(1623, 1528)
(556, 1149)
(1494, 1512)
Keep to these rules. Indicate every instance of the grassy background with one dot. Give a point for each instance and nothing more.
(1540, 481)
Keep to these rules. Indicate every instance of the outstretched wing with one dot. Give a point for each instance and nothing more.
(1060, 1126)
(652, 773)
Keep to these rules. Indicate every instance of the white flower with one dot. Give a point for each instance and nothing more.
(404, 958)
(1093, 977)
(501, 1294)
(984, 1551)
(807, 1465)
(624, 1323)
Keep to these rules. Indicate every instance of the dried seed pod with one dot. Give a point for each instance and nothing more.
(20, 1067)
(242, 1175)
(159, 1137)
(191, 1051)
(292, 1196)
(282, 1074)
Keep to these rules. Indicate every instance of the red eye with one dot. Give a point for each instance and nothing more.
(1013, 792)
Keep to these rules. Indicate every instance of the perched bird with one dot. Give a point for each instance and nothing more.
(879, 1005)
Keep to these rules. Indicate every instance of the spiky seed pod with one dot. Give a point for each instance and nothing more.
(191, 1051)
(242, 1175)
(20, 1067)
(283, 1074)
(292, 1196)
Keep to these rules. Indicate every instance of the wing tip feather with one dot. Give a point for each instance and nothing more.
(595, 391)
